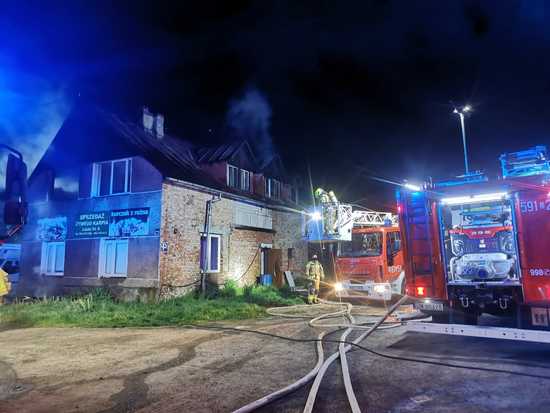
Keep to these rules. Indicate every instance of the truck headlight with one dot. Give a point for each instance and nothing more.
(338, 287)
(380, 289)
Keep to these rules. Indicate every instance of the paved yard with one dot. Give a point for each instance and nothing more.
(177, 370)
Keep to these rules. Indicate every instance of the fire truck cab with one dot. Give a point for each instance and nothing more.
(369, 257)
(476, 246)
(371, 263)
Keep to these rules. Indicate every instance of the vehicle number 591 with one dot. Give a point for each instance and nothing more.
(534, 206)
(539, 272)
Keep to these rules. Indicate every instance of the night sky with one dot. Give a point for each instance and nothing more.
(343, 87)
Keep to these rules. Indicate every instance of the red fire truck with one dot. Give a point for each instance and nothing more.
(369, 259)
(476, 246)
(371, 264)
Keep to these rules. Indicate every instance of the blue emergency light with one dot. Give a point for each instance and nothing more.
(532, 161)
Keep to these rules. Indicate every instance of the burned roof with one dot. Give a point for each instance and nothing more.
(170, 154)
(90, 134)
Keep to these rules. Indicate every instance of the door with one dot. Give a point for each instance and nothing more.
(274, 267)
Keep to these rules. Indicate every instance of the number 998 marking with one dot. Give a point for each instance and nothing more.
(540, 272)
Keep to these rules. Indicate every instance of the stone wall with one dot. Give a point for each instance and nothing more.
(183, 215)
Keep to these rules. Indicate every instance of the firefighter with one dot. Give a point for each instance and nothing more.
(314, 275)
(329, 205)
(5, 285)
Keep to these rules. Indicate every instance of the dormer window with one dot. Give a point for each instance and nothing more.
(239, 178)
(111, 177)
(232, 176)
(245, 180)
(272, 188)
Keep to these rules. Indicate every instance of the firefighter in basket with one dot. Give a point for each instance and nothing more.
(329, 205)
(314, 275)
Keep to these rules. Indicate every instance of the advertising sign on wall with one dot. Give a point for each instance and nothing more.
(129, 222)
(117, 223)
(52, 229)
(92, 224)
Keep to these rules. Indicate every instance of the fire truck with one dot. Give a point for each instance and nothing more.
(369, 260)
(15, 194)
(476, 246)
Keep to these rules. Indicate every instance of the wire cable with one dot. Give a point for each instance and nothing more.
(366, 349)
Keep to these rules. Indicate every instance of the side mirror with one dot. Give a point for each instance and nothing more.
(390, 258)
(397, 245)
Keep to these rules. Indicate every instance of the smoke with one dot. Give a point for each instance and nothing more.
(31, 113)
(249, 117)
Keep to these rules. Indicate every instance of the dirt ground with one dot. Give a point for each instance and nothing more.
(180, 370)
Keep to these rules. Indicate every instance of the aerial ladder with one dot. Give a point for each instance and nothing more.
(345, 218)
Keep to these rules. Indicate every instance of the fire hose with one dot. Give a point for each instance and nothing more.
(318, 372)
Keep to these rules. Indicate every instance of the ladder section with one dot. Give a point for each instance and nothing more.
(419, 234)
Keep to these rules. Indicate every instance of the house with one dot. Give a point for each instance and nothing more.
(124, 205)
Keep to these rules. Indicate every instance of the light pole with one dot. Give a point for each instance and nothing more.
(461, 113)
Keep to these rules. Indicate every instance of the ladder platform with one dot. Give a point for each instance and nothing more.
(534, 336)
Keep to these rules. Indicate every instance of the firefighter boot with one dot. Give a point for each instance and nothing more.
(311, 294)
(315, 299)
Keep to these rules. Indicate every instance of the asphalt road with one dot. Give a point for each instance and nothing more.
(177, 370)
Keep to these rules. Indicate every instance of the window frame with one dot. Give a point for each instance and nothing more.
(95, 191)
(218, 257)
(391, 237)
(102, 257)
(247, 173)
(45, 258)
(13, 262)
(271, 184)
(237, 177)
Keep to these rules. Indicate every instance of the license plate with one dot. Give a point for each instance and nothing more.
(431, 306)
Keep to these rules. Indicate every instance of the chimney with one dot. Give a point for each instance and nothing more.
(148, 120)
(159, 125)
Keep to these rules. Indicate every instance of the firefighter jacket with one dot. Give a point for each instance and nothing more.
(314, 270)
(5, 285)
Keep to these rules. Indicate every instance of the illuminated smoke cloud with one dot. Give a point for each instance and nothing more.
(249, 117)
(31, 113)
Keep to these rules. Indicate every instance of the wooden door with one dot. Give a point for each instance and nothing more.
(274, 266)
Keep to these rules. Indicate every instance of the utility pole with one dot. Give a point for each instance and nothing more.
(461, 113)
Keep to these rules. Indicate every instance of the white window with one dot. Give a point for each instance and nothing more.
(111, 177)
(232, 176)
(212, 264)
(53, 258)
(245, 180)
(294, 194)
(113, 258)
(272, 188)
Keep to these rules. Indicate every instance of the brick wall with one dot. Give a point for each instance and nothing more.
(288, 228)
(183, 214)
(244, 254)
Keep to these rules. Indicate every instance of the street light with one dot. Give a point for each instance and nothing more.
(461, 112)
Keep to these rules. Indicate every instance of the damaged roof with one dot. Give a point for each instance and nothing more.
(84, 134)
(224, 152)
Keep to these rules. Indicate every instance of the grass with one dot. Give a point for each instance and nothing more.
(98, 309)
